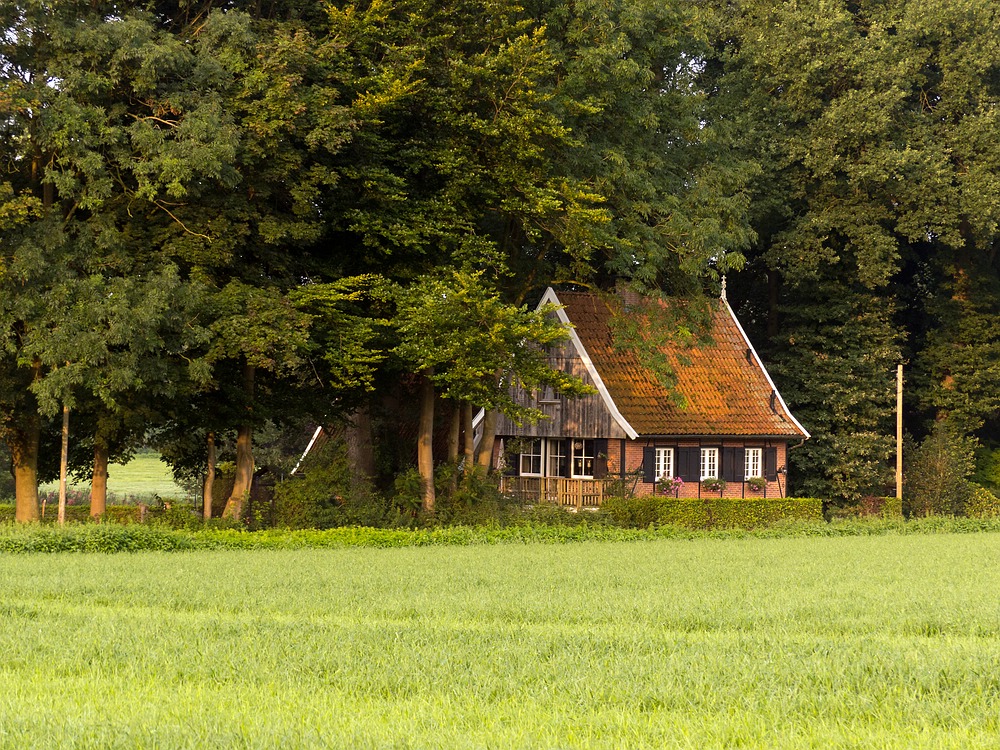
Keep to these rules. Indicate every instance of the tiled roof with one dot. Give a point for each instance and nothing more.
(722, 384)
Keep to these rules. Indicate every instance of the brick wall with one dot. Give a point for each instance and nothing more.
(633, 462)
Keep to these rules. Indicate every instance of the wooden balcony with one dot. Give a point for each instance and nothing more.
(578, 493)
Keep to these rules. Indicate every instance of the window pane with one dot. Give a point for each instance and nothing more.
(583, 458)
(709, 463)
(557, 459)
(753, 460)
(531, 459)
(664, 463)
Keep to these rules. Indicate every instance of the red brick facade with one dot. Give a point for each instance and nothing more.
(633, 451)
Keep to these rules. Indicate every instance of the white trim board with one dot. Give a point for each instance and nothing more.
(763, 369)
(550, 296)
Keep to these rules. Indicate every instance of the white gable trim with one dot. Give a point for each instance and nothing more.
(763, 369)
(551, 297)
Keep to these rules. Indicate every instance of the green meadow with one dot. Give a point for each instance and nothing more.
(887, 641)
(141, 478)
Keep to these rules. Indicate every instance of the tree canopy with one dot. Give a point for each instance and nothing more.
(220, 216)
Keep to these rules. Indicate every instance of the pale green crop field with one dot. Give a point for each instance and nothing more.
(142, 477)
(870, 642)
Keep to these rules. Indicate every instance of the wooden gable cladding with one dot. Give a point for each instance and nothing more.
(587, 416)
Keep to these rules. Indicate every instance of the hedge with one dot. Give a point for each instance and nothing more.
(710, 513)
(982, 504)
(120, 514)
(111, 538)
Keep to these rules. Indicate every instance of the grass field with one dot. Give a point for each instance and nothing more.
(142, 477)
(888, 642)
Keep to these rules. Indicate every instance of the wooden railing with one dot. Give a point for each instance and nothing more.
(581, 493)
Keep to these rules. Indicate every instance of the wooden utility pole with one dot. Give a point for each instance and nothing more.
(899, 431)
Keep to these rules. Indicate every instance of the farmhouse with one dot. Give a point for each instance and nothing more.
(720, 430)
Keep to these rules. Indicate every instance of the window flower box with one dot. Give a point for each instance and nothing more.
(713, 484)
(668, 486)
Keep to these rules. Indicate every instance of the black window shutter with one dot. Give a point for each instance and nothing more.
(770, 464)
(600, 458)
(649, 465)
(733, 464)
(689, 464)
(568, 465)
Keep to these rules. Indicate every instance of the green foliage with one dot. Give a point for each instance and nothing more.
(987, 472)
(477, 347)
(982, 503)
(649, 510)
(329, 495)
(959, 362)
(868, 507)
(470, 499)
(937, 472)
(713, 484)
(834, 364)
(550, 525)
(873, 124)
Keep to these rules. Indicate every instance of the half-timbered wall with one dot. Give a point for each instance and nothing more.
(777, 486)
(632, 451)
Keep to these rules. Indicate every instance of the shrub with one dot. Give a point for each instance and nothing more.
(649, 510)
(870, 506)
(329, 495)
(636, 512)
(982, 504)
(472, 499)
(937, 471)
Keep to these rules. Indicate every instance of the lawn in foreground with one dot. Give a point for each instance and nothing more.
(847, 642)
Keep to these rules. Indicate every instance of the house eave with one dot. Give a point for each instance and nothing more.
(750, 347)
(550, 297)
(718, 436)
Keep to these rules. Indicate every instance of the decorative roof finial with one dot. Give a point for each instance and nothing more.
(723, 295)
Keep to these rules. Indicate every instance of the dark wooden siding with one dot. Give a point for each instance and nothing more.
(580, 417)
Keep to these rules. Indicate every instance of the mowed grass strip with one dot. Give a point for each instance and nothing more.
(890, 642)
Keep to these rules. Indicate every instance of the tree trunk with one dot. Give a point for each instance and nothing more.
(244, 454)
(484, 457)
(360, 445)
(24, 456)
(63, 465)
(99, 479)
(244, 473)
(209, 485)
(454, 432)
(468, 443)
(425, 441)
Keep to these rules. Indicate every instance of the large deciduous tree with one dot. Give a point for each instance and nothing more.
(874, 125)
(106, 120)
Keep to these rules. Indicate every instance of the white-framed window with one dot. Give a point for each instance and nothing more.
(753, 462)
(583, 458)
(556, 461)
(664, 466)
(709, 463)
(531, 459)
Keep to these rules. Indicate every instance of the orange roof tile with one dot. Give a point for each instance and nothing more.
(723, 386)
